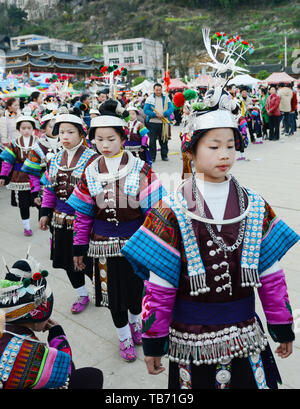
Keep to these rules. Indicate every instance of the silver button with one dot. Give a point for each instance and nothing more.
(223, 376)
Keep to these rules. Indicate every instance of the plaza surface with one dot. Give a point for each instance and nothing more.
(273, 170)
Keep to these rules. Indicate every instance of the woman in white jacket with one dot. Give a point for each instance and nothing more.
(8, 131)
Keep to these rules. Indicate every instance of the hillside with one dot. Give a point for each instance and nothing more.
(177, 26)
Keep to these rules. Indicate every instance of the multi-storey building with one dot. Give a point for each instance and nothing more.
(35, 42)
(139, 55)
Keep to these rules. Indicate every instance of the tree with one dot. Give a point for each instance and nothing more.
(262, 75)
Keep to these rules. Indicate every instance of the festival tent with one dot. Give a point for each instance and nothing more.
(277, 77)
(145, 86)
(244, 79)
(202, 81)
(176, 83)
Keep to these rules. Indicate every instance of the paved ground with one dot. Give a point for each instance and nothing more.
(273, 171)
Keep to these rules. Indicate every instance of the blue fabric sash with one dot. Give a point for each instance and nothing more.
(198, 313)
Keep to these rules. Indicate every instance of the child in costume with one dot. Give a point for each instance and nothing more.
(257, 124)
(63, 173)
(202, 252)
(20, 183)
(44, 149)
(111, 201)
(243, 125)
(137, 136)
(26, 303)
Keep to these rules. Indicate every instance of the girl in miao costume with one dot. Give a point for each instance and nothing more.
(40, 154)
(20, 183)
(111, 201)
(217, 242)
(26, 304)
(63, 172)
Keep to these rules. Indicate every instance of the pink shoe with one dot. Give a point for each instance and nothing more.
(241, 158)
(136, 332)
(127, 350)
(80, 304)
(28, 233)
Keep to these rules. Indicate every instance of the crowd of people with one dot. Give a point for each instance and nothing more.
(177, 271)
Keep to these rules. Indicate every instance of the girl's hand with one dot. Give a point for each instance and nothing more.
(284, 350)
(50, 323)
(43, 224)
(2, 182)
(38, 201)
(154, 365)
(78, 263)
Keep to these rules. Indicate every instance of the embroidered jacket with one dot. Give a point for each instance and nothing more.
(207, 311)
(26, 364)
(108, 213)
(59, 184)
(13, 159)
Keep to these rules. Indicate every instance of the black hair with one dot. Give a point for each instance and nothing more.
(281, 84)
(84, 97)
(264, 90)
(157, 84)
(34, 95)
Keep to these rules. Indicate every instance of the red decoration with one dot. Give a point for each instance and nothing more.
(117, 72)
(103, 69)
(37, 276)
(178, 99)
(167, 80)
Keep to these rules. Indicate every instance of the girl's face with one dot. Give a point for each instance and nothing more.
(108, 141)
(69, 135)
(26, 129)
(133, 115)
(215, 154)
(14, 107)
(49, 129)
(39, 99)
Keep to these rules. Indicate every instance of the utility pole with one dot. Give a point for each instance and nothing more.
(285, 51)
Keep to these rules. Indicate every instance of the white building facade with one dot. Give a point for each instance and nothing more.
(35, 42)
(139, 55)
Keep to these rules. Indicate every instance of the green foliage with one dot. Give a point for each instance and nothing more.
(138, 80)
(78, 85)
(12, 19)
(262, 75)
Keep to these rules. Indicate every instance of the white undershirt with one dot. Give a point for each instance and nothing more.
(113, 164)
(71, 152)
(215, 195)
(26, 140)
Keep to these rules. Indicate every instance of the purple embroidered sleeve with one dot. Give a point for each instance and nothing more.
(157, 307)
(82, 229)
(35, 183)
(49, 199)
(6, 168)
(274, 298)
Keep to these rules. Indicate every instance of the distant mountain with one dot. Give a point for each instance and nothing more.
(176, 24)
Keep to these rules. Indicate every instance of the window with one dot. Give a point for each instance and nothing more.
(141, 59)
(127, 47)
(113, 61)
(113, 49)
(139, 46)
(128, 60)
